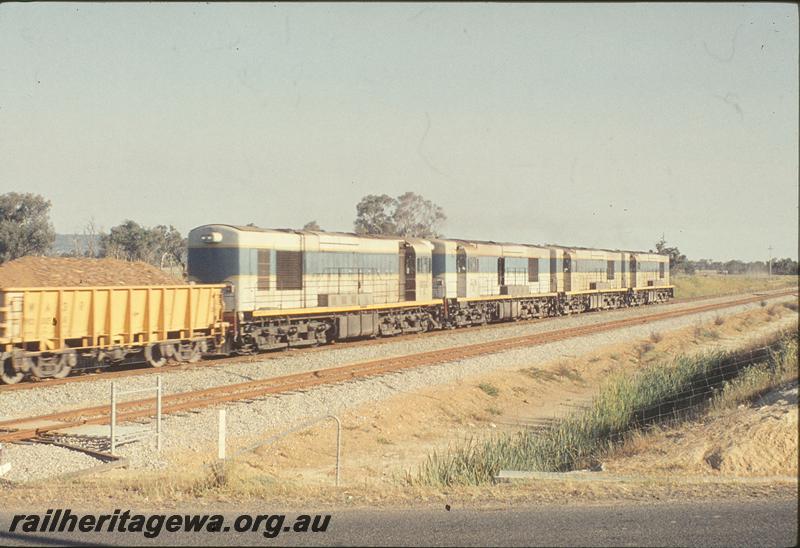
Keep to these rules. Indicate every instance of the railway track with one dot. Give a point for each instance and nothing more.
(28, 428)
(135, 370)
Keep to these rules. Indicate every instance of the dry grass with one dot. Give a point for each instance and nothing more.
(687, 286)
(489, 389)
(566, 372)
(539, 374)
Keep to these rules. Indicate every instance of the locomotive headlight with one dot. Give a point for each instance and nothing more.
(211, 238)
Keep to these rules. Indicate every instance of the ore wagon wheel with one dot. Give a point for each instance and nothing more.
(7, 373)
(68, 360)
(154, 354)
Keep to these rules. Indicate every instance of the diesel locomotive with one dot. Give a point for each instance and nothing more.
(293, 288)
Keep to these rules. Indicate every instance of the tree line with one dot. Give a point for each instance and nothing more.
(26, 229)
(680, 264)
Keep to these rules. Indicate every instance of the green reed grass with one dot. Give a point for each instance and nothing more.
(662, 392)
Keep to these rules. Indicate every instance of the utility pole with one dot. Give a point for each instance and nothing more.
(770, 261)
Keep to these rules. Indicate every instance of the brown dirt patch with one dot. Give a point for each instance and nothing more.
(65, 272)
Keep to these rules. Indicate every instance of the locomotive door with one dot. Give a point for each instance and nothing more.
(553, 272)
(501, 271)
(410, 274)
(461, 273)
(567, 272)
(401, 274)
(633, 271)
(623, 283)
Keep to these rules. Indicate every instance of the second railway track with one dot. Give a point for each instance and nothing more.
(27, 428)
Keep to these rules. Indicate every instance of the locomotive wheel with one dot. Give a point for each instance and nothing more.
(154, 355)
(7, 373)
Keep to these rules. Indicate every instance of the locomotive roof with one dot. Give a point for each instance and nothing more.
(249, 228)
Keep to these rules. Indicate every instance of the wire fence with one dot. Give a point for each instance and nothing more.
(661, 395)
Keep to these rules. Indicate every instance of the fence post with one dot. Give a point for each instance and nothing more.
(338, 444)
(221, 435)
(113, 416)
(158, 413)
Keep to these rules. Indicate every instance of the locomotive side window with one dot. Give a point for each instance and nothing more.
(289, 269)
(263, 269)
(533, 270)
(423, 265)
(610, 270)
(661, 270)
(473, 265)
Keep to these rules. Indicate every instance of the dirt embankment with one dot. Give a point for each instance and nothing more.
(755, 440)
(68, 272)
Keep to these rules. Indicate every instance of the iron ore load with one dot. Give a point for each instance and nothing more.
(291, 288)
(253, 289)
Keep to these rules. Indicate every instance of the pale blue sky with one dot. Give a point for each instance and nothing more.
(598, 125)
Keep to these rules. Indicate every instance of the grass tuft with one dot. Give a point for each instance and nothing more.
(489, 389)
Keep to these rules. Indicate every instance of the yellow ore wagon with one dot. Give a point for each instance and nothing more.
(49, 331)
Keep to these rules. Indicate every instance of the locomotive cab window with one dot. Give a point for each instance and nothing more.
(289, 269)
(473, 265)
(661, 270)
(533, 270)
(263, 269)
(610, 270)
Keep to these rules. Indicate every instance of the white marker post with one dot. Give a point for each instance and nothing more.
(221, 437)
(4, 466)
